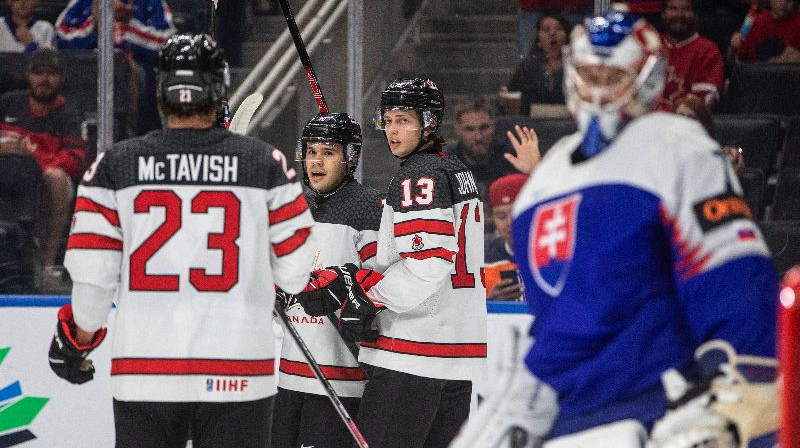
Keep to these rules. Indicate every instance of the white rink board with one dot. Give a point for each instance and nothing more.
(82, 416)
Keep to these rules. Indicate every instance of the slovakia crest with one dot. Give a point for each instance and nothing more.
(552, 243)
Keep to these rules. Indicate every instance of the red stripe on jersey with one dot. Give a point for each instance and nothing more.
(291, 244)
(288, 211)
(368, 251)
(331, 372)
(161, 366)
(444, 254)
(428, 348)
(87, 205)
(432, 226)
(93, 241)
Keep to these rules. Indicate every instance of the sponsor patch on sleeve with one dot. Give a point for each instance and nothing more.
(718, 210)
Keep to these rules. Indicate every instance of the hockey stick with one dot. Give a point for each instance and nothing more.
(337, 403)
(241, 119)
(319, 98)
(304, 59)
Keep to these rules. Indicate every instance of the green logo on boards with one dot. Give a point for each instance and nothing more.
(16, 411)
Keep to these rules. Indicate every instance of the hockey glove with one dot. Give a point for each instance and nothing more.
(283, 299)
(707, 413)
(358, 310)
(322, 295)
(67, 358)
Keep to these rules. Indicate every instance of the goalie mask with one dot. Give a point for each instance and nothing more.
(417, 94)
(333, 128)
(614, 71)
(192, 71)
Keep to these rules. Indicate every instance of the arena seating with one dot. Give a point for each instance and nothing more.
(791, 142)
(754, 183)
(764, 88)
(783, 241)
(786, 205)
(759, 136)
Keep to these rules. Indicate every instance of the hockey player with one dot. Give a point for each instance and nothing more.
(186, 229)
(638, 257)
(347, 217)
(431, 327)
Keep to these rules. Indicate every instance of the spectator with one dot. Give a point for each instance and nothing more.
(477, 147)
(647, 9)
(694, 63)
(540, 76)
(140, 28)
(20, 33)
(500, 271)
(693, 107)
(774, 35)
(40, 122)
(531, 12)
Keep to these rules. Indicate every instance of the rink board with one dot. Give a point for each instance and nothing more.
(40, 410)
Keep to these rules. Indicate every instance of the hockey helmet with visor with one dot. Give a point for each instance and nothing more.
(334, 128)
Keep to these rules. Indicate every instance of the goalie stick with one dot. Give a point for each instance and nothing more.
(304, 59)
(337, 403)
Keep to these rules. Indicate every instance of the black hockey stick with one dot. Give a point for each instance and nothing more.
(319, 98)
(304, 59)
(337, 403)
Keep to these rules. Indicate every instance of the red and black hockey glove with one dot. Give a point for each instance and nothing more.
(323, 294)
(358, 310)
(67, 358)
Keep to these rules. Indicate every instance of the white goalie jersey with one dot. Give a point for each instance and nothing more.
(346, 229)
(192, 228)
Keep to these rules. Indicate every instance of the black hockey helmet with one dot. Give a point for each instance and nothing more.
(421, 95)
(192, 71)
(336, 127)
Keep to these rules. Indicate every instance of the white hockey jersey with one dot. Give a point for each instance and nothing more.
(346, 229)
(193, 228)
(431, 239)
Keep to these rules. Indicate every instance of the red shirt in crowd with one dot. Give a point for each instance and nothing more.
(765, 26)
(695, 66)
(52, 136)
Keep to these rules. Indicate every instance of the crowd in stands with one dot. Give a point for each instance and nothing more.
(45, 135)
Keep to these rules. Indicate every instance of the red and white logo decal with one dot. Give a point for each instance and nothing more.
(552, 243)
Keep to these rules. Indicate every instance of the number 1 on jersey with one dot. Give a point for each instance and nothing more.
(463, 278)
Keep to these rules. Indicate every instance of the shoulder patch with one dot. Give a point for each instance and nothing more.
(718, 210)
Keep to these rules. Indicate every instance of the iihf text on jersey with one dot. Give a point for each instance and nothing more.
(188, 168)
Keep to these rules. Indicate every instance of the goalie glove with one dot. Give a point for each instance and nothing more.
(68, 359)
(728, 410)
(358, 310)
(322, 296)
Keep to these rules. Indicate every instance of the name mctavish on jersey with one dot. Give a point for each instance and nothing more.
(188, 168)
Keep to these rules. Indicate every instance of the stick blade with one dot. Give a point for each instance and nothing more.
(241, 119)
